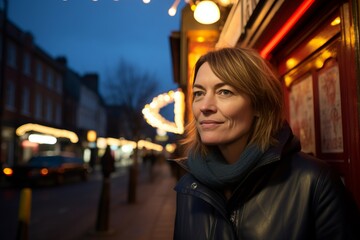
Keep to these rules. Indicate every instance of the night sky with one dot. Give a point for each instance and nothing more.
(95, 35)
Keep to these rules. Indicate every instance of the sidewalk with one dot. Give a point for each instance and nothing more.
(151, 217)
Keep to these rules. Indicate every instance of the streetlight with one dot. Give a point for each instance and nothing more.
(2, 70)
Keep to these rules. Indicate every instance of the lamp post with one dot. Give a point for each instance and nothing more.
(92, 137)
(2, 72)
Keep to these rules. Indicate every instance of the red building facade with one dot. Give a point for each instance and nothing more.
(314, 46)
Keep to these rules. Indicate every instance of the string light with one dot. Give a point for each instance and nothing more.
(152, 114)
(205, 12)
(173, 8)
(103, 142)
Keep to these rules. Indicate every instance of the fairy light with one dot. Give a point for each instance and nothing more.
(153, 117)
(209, 14)
(102, 142)
(173, 8)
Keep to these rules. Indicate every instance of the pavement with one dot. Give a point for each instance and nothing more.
(151, 217)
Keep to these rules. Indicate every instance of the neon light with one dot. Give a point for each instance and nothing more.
(47, 130)
(286, 27)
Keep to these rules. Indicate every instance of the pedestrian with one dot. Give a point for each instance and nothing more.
(246, 175)
(107, 163)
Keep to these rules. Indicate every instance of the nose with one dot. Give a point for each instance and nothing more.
(208, 104)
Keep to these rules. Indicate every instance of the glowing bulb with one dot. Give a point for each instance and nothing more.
(207, 12)
(146, 1)
(225, 2)
(172, 11)
(336, 21)
(173, 8)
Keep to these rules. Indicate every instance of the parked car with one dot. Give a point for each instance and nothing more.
(47, 169)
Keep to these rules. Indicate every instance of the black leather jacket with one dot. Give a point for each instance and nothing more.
(292, 196)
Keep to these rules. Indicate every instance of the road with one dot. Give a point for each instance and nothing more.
(63, 212)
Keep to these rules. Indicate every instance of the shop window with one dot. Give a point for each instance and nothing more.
(301, 104)
(330, 116)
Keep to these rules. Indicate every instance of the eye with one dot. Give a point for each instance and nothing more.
(197, 93)
(225, 92)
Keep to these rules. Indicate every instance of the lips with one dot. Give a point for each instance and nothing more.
(209, 124)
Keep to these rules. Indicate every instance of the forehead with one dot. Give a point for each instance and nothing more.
(206, 75)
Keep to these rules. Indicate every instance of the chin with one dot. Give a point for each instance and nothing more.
(210, 142)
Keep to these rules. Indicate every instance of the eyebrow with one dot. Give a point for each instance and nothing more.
(218, 85)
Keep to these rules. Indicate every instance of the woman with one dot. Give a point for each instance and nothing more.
(247, 178)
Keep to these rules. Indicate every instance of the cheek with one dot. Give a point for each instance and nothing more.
(242, 116)
(195, 110)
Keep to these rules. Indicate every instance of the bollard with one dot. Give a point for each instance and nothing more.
(102, 222)
(24, 214)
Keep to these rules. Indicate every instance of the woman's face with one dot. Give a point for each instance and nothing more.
(223, 115)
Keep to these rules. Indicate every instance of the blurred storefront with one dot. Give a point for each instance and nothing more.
(36, 139)
(314, 45)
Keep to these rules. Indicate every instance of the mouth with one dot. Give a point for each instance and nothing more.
(209, 124)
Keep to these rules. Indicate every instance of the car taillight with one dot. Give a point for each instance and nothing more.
(44, 171)
(8, 171)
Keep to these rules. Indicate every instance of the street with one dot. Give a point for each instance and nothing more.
(63, 212)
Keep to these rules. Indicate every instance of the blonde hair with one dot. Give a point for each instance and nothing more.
(250, 74)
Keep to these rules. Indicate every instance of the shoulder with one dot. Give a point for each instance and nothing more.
(333, 205)
(323, 180)
(310, 165)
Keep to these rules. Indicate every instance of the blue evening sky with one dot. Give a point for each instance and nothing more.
(95, 35)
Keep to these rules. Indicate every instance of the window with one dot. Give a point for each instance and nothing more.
(25, 101)
(39, 72)
(27, 64)
(58, 83)
(11, 55)
(38, 106)
(50, 79)
(58, 113)
(49, 110)
(10, 96)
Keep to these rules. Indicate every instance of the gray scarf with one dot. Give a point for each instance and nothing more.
(214, 171)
